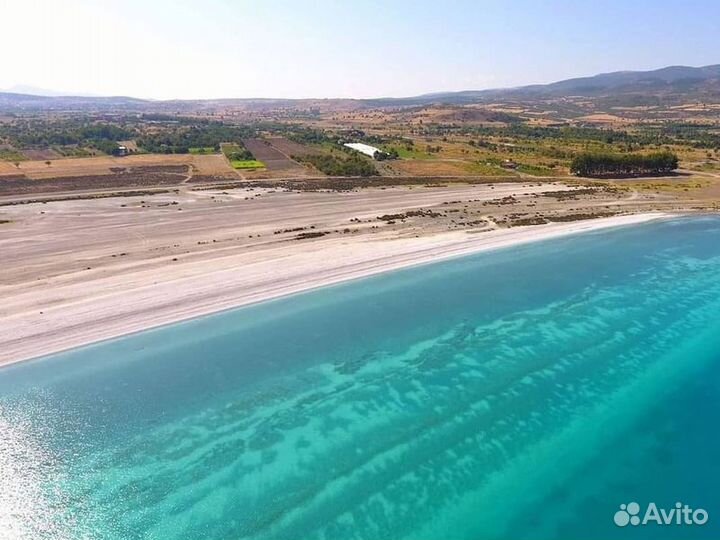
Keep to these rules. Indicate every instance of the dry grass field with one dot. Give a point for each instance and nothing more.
(434, 167)
(213, 164)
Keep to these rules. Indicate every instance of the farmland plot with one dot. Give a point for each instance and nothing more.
(274, 159)
(290, 148)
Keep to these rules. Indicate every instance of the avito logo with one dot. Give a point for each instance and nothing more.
(681, 514)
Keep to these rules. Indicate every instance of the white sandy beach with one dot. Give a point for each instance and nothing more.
(66, 312)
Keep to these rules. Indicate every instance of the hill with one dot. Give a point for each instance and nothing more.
(682, 83)
(688, 81)
(666, 80)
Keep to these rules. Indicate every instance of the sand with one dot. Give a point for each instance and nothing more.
(78, 272)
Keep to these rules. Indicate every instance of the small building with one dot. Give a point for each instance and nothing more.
(365, 149)
(121, 151)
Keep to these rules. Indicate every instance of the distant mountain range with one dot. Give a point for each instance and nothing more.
(672, 79)
(690, 82)
(44, 92)
(12, 101)
(664, 81)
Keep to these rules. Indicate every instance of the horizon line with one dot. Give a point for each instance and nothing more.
(52, 94)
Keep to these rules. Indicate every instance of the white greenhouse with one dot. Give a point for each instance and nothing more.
(364, 149)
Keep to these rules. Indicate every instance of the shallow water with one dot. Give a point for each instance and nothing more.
(522, 393)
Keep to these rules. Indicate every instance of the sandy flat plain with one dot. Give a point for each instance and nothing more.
(79, 271)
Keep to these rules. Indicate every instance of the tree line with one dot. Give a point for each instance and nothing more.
(179, 140)
(237, 152)
(334, 165)
(41, 134)
(591, 164)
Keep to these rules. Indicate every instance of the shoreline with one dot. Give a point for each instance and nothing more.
(200, 288)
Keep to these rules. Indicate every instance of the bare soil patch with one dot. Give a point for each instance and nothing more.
(121, 178)
(274, 159)
(290, 148)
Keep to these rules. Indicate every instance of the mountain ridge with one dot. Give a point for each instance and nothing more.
(667, 80)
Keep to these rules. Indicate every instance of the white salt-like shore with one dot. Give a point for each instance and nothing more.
(79, 313)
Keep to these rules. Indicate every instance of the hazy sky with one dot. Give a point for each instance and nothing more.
(341, 48)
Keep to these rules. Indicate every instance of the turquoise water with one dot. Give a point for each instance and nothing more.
(523, 393)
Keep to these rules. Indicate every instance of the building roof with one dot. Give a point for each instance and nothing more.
(363, 148)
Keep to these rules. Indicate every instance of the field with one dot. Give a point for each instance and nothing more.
(274, 160)
(436, 167)
(105, 175)
(289, 148)
(130, 177)
(41, 155)
(408, 152)
(485, 168)
(247, 164)
(202, 164)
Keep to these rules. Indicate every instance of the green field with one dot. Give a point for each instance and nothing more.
(247, 164)
(11, 155)
(202, 150)
(537, 170)
(73, 151)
